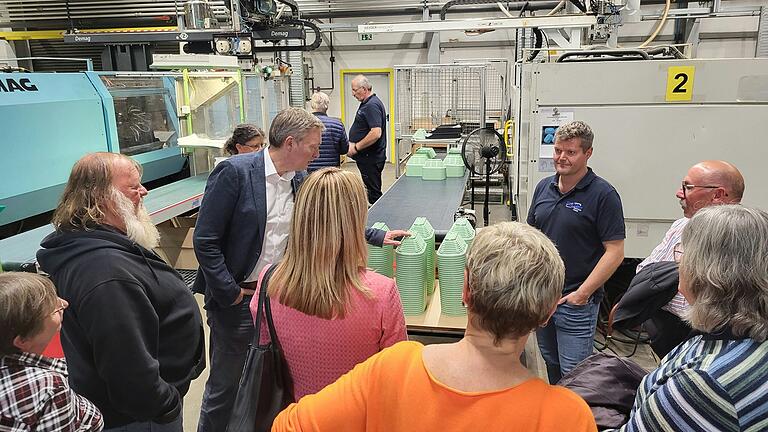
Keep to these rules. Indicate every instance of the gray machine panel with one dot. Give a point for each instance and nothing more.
(644, 145)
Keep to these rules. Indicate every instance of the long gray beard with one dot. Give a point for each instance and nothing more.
(138, 224)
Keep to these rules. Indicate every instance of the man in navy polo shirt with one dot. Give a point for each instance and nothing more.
(581, 213)
(368, 136)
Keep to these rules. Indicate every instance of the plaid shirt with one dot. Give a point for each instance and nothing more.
(35, 395)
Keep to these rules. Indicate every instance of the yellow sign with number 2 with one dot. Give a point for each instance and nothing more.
(680, 83)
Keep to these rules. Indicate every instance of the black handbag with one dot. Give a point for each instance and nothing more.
(265, 386)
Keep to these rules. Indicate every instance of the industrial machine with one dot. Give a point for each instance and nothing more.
(51, 120)
(652, 120)
(251, 27)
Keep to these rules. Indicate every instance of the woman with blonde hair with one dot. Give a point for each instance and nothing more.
(329, 311)
(513, 281)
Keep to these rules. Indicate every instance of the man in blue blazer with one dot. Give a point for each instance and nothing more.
(242, 227)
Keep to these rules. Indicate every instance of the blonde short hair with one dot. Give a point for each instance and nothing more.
(326, 247)
(87, 196)
(724, 267)
(515, 278)
(25, 300)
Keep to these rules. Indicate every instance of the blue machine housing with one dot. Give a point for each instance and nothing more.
(50, 120)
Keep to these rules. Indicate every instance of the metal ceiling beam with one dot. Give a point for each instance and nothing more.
(543, 22)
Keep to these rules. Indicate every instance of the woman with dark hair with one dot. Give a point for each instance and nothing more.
(34, 391)
(246, 138)
(716, 381)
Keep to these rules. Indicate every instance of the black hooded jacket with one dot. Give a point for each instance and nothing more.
(132, 334)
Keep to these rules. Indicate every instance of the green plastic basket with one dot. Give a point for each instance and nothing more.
(410, 257)
(451, 261)
(415, 165)
(381, 259)
(428, 151)
(433, 170)
(423, 229)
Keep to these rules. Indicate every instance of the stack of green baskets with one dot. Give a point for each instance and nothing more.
(411, 257)
(422, 228)
(415, 164)
(454, 165)
(428, 151)
(433, 170)
(464, 229)
(451, 260)
(380, 259)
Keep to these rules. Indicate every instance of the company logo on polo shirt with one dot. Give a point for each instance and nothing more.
(575, 206)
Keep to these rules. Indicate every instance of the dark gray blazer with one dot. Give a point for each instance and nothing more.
(231, 226)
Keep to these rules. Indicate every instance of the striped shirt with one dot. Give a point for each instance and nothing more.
(705, 384)
(665, 252)
(35, 395)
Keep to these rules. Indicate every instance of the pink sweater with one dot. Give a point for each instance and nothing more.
(319, 351)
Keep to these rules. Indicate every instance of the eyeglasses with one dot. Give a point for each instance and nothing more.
(62, 306)
(677, 252)
(689, 187)
(253, 146)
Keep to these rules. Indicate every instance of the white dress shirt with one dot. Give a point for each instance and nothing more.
(665, 252)
(279, 211)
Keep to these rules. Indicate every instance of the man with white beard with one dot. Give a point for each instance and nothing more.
(132, 334)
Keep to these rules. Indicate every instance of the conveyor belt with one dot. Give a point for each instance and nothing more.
(162, 203)
(411, 197)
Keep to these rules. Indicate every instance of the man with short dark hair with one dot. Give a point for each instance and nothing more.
(132, 333)
(582, 214)
(368, 136)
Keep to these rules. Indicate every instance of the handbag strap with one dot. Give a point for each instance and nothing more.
(264, 305)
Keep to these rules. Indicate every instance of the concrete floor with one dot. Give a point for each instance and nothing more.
(498, 213)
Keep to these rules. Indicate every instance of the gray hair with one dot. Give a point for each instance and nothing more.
(363, 81)
(295, 122)
(576, 129)
(320, 102)
(724, 268)
(515, 278)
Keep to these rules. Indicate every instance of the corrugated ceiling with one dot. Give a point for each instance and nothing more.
(144, 12)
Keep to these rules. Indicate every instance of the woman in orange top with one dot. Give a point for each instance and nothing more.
(513, 282)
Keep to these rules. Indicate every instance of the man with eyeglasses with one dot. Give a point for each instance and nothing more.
(707, 183)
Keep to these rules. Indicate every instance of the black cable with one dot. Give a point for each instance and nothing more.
(538, 35)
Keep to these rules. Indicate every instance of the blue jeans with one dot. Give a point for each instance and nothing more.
(231, 333)
(567, 339)
(174, 426)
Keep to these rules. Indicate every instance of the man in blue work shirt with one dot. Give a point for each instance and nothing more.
(581, 213)
(368, 136)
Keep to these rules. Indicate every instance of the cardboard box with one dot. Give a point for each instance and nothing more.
(176, 246)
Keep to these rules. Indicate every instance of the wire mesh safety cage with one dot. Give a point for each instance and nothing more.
(428, 96)
(497, 74)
